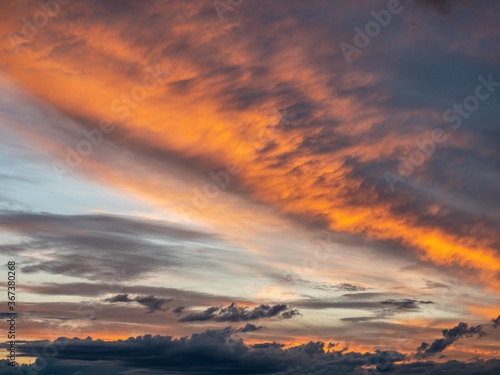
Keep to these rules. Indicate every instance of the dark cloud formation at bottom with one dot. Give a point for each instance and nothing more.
(215, 352)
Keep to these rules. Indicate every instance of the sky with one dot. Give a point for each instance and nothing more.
(251, 187)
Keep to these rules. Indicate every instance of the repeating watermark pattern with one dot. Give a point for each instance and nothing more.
(39, 19)
(222, 7)
(121, 107)
(426, 147)
(372, 29)
(221, 178)
(322, 251)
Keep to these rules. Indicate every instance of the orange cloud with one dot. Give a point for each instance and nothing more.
(222, 110)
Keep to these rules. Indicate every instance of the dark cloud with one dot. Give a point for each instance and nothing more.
(495, 322)
(449, 337)
(362, 301)
(407, 304)
(234, 313)
(178, 310)
(119, 298)
(151, 302)
(250, 328)
(348, 287)
(435, 285)
(216, 352)
(268, 345)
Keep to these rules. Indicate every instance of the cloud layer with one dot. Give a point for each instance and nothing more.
(215, 352)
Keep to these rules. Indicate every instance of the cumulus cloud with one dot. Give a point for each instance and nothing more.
(235, 313)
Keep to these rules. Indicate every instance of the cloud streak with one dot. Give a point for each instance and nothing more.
(151, 302)
(450, 336)
(235, 313)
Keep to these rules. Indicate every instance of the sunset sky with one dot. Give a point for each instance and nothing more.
(265, 187)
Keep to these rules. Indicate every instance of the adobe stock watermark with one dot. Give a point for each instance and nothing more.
(322, 251)
(39, 19)
(372, 29)
(121, 107)
(222, 7)
(426, 147)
